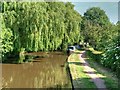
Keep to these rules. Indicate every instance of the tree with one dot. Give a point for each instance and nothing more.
(95, 27)
(41, 26)
(97, 16)
(5, 39)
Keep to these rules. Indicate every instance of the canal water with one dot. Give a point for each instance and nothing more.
(43, 72)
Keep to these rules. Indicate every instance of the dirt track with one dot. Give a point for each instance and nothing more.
(91, 72)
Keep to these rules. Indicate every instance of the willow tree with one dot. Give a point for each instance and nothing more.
(72, 23)
(41, 26)
(6, 36)
(57, 27)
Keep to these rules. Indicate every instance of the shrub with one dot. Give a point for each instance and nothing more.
(111, 57)
(95, 55)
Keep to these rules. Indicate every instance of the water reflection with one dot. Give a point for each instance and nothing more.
(46, 72)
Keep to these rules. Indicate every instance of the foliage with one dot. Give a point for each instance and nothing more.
(41, 26)
(111, 56)
(96, 28)
(96, 15)
(95, 56)
(5, 39)
(110, 79)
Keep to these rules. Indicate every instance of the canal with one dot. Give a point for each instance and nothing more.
(43, 72)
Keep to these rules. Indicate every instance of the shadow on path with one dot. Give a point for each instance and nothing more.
(98, 81)
(83, 84)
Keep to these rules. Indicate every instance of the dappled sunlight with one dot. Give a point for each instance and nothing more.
(101, 76)
(83, 75)
(97, 52)
(91, 49)
(85, 82)
(94, 51)
(92, 72)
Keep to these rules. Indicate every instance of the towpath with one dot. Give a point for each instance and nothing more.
(75, 63)
(91, 72)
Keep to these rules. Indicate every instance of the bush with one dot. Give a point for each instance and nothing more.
(111, 57)
(94, 54)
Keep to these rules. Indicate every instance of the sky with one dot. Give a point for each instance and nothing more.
(110, 8)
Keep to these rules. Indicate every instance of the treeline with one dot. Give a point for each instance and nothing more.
(97, 29)
(103, 36)
(38, 26)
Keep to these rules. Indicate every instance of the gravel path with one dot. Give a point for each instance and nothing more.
(91, 72)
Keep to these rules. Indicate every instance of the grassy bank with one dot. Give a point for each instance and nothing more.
(79, 78)
(110, 78)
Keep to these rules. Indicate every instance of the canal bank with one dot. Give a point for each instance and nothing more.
(72, 70)
(79, 78)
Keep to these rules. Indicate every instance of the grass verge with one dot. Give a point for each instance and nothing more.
(79, 78)
(111, 80)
